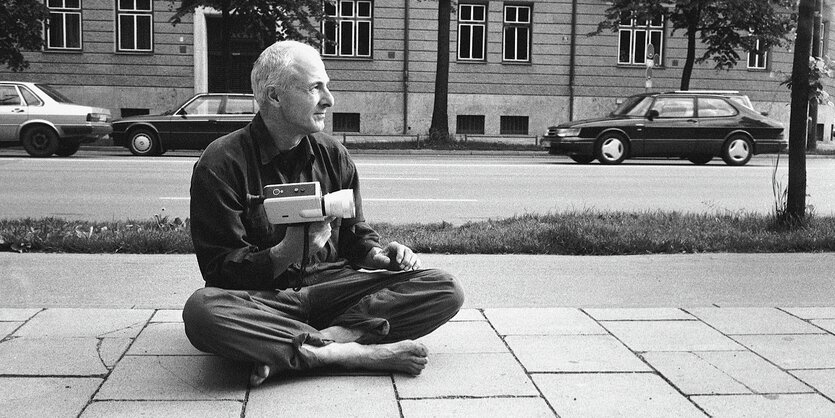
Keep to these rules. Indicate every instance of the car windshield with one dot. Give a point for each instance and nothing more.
(633, 106)
(54, 94)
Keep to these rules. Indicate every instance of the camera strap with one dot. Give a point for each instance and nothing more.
(305, 255)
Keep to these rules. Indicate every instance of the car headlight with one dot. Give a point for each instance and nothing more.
(97, 117)
(564, 132)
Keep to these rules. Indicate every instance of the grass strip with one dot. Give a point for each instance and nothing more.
(585, 232)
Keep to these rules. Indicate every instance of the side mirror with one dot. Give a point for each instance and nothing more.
(652, 114)
(764, 113)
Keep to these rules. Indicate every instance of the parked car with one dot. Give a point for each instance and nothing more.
(697, 125)
(45, 122)
(192, 125)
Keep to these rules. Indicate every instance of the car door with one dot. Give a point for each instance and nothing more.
(669, 132)
(13, 112)
(194, 125)
(236, 112)
(717, 119)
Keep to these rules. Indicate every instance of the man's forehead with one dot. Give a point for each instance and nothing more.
(309, 67)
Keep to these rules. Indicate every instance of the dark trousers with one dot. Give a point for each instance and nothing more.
(268, 327)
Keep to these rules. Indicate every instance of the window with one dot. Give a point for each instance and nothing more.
(9, 96)
(30, 98)
(633, 37)
(470, 124)
(348, 33)
(517, 33)
(346, 122)
(513, 125)
(472, 26)
(674, 107)
(711, 107)
(239, 105)
(63, 28)
(757, 58)
(205, 105)
(136, 25)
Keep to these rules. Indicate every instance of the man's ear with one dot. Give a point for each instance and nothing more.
(273, 95)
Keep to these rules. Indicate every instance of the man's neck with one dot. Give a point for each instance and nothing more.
(283, 139)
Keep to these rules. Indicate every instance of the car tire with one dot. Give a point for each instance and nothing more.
(582, 159)
(700, 159)
(143, 142)
(611, 148)
(737, 150)
(40, 141)
(68, 147)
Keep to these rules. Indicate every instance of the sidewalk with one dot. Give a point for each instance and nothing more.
(66, 352)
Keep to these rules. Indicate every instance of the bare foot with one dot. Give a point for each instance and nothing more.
(260, 373)
(405, 356)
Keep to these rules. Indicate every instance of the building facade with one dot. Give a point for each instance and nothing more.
(516, 67)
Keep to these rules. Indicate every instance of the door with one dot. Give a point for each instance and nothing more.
(13, 112)
(670, 133)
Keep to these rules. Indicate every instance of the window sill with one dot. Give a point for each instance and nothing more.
(64, 51)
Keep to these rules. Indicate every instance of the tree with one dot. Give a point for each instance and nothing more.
(21, 28)
(723, 26)
(268, 20)
(439, 128)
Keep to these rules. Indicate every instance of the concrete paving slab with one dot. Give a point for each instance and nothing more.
(542, 321)
(17, 314)
(818, 312)
(333, 396)
(766, 406)
(164, 409)
(815, 351)
(111, 350)
(482, 374)
(469, 315)
(752, 321)
(6, 328)
(638, 314)
(669, 336)
(168, 315)
(608, 395)
(693, 375)
(823, 380)
(163, 339)
(482, 407)
(827, 324)
(175, 378)
(464, 337)
(755, 373)
(51, 357)
(39, 397)
(76, 322)
(574, 353)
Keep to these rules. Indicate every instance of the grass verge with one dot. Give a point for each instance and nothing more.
(569, 233)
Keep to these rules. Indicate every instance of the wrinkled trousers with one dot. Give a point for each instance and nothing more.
(268, 327)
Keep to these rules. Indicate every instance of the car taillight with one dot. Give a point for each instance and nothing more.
(97, 117)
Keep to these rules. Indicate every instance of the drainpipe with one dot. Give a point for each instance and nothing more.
(406, 69)
(572, 60)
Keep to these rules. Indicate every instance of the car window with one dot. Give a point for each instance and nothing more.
(54, 94)
(240, 105)
(9, 96)
(711, 107)
(674, 107)
(634, 106)
(206, 105)
(30, 98)
(743, 100)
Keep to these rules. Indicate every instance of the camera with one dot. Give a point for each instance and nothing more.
(295, 203)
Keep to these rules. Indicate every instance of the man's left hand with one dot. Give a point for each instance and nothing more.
(395, 257)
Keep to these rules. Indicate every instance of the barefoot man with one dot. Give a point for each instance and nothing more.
(344, 316)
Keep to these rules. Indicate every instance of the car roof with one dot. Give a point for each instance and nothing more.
(717, 92)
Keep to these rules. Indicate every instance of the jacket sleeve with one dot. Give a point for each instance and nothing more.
(227, 258)
(356, 236)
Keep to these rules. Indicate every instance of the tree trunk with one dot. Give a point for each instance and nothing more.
(796, 200)
(692, 29)
(439, 129)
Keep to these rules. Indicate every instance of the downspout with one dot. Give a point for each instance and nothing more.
(406, 69)
(572, 60)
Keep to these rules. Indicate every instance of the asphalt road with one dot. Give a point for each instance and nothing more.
(113, 185)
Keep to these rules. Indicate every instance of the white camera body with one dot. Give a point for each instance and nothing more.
(295, 203)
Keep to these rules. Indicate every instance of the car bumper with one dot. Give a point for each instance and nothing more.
(88, 132)
(771, 147)
(569, 145)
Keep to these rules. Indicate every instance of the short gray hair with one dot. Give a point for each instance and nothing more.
(272, 68)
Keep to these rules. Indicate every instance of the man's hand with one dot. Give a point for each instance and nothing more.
(291, 248)
(394, 257)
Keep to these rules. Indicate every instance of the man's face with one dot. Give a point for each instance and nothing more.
(304, 104)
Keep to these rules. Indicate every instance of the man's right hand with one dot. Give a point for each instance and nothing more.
(291, 248)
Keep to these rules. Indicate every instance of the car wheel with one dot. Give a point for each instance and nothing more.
(737, 150)
(611, 149)
(143, 142)
(700, 159)
(40, 141)
(68, 147)
(582, 159)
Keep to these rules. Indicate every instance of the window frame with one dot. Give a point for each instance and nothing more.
(516, 26)
(63, 11)
(135, 14)
(358, 23)
(470, 24)
(648, 28)
(760, 60)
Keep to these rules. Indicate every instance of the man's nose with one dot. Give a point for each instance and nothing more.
(327, 98)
